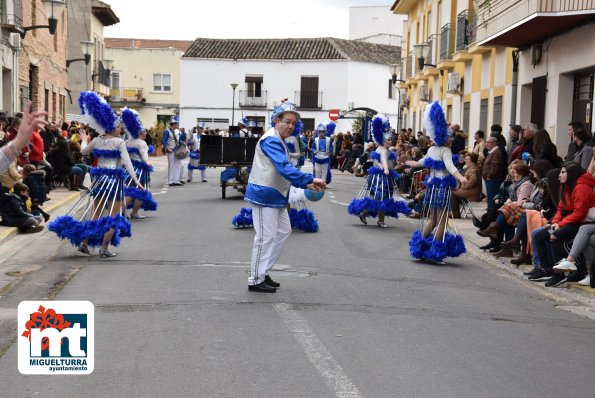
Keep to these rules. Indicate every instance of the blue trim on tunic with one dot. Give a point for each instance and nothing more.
(106, 153)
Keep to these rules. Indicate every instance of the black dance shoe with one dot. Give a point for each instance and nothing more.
(262, 287)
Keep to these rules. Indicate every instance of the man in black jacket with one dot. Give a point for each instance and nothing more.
(14, 210)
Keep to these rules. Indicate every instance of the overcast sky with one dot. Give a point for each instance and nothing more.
(224, 19)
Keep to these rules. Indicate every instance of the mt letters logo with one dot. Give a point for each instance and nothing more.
(56, 337)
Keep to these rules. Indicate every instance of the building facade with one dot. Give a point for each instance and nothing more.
(318, 75)
(556, 59)
(146, 76)
(12, 25)
(86, 21)
(42, 74)
(472, 82)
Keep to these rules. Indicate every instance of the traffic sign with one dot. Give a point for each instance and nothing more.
(333, 114)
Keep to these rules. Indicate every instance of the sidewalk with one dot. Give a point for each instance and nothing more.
(59, 197)
(474, 241)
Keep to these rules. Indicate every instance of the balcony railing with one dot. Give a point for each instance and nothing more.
(465, 29)
(102, 74)
(446, 42)
(308, 99)
(253, 99)
(126, 94)
(432, 41)
(11, 22)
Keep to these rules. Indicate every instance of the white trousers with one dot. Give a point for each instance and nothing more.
(181, 168)
(320, 170)
(203, 174)
(173, 168)
(272, 228)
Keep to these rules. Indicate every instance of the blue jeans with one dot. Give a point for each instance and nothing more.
(492, 187)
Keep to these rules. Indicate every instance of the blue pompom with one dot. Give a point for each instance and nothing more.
(92, 231)
(303, 220)
(243, 219)
(417, 245)
(151, 149)
(146, 198)
(455, 245)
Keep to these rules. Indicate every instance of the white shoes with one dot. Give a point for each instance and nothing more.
(565, 265)
(138, 216)
(586, 281)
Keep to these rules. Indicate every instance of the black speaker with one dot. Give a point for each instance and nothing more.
(211, 149)
(234, 150)
(250, 149)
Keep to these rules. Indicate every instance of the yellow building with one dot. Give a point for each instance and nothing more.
(443, 62)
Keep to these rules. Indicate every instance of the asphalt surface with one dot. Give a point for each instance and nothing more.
(355, 316)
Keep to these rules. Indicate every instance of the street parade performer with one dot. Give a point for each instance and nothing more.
(138, 151)
(436, 237)
(321, 152)
(194, 155)
(268, 189)
(99, 212)
(375, 198)
(300, 217)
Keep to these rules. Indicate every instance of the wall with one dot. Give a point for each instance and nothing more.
(48, 53)
(562, 57)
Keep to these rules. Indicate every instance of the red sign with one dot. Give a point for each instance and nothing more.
(333, 114)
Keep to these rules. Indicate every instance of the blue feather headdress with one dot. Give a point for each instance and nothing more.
(380, 129)
(435, 123)
(330, 128)
(97, 112)
(131, 121)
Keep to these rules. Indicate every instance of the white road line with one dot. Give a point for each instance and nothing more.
(319, 356)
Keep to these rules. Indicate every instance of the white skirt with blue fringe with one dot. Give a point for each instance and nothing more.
(437, 200)
(89, 219)
(377, 195)
(143, 173)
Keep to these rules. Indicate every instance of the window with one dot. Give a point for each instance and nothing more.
(115, 80)
(309, 96)
(497, 110)
(162, 82)
(466, 115)
(308, 124)
(254, 85)
(483, 115)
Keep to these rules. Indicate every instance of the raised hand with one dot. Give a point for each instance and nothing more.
(31, 121)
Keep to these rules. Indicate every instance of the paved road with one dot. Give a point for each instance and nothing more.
(355, 317)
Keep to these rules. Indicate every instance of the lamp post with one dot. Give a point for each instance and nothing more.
(87, 48)
(421, 53)
(233, 102)
(53, 9)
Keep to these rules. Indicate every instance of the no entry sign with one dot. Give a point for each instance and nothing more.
(333, 114)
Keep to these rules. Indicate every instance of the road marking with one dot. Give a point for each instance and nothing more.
(319, 356)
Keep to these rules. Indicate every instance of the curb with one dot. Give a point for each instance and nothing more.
(12, 231)
(490, 260)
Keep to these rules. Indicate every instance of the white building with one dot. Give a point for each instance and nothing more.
(316, 74)
(376, 24)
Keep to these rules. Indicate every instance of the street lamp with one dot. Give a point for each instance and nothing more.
(53, 9)
(395, 70)
(233, 102)
(87, 48)
(421, 53)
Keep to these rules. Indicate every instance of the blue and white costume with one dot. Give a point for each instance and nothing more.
(139, 156)
(87, 222)
(439, 184)
(376, 195)
(271, 177)
(170, 140)
(194, 161)
(321, 149)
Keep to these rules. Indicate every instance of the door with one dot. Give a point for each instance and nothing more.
(582, 104)
(538, 93)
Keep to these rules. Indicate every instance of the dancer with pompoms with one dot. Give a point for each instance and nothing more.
(375, 199)
(97, 218)
(139, 155)
(436, 237)
(321, 152)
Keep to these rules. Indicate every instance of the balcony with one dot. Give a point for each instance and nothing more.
(446, 42)
(12, 23)
(411, 66)
(308, 99)
(126, 94)
(253, 99)
(521, 23)
(466, 23)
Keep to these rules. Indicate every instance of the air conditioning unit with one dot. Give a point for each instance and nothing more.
(15, 41)
(423, 93)
(454, 83)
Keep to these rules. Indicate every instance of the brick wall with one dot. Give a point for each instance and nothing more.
(48, 56)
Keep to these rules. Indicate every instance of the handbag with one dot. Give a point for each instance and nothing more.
(590, 215)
